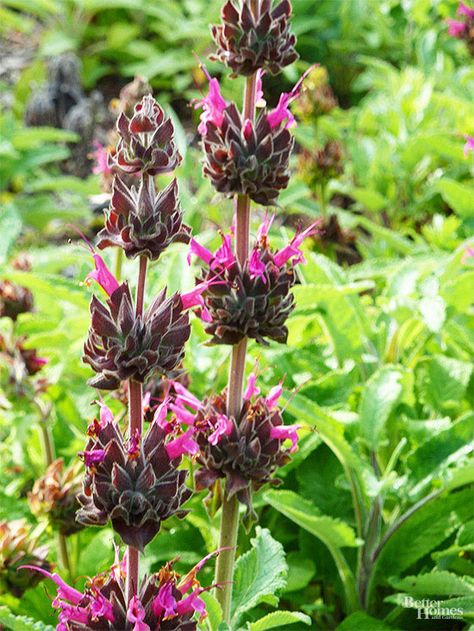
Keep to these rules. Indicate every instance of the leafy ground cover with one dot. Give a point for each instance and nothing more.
(374, 512)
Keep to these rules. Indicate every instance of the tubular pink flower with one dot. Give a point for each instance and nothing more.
(160, 414)
(134, 445)
(165, 603)
(205, 315)
(212, 105)
(92, 457)
(272, 397)
(64, 590)
(183, 415)
(260, 101)
(136, 614)
(185, 396)
(256, 267)
(105, 415)
(70, 613)
(188, 581)
(103, 276)
(252, 390)
(192, 603)
(291, 251)
(456, 28)
(224, 254)
(223, 427)
(199, 250)
(183, 444)
(469, 146)
(265, 226)
(101, 607)
(100, 156)
(286, 432)
(282, 112)
(463, 9)
(193, 298)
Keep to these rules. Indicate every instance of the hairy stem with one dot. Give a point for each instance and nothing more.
(135, 422)
(230, 506)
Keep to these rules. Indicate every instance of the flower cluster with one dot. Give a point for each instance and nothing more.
(141, 220)
(245, 451)
(134, 483)
(253, 300)
(254, 36)
(244, 157)
(54, 496)
(164, 601)
(464, 27)
(14, 300)
(320, 166)
(122, 345)
(19, 545)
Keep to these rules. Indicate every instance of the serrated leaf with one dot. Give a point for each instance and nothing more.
(444, 381)
(382, 392)
(278, 619)
(434, 584)
(21, 623)
(259, 574)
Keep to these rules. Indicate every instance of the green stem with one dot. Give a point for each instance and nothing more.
(118, 263)
(135, 422)
(322, 200)
(230, 506)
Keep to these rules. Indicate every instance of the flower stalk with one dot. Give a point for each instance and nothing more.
(230, 506)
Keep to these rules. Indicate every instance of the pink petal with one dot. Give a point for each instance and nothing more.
(286, 432)
(223, 427)
(92, 457)
(64, 590)
(185, 396)
(212, 105)
(265, 226)
(165, 603)
(136, 614)
(102, 276)
(273, 396)
(469, 146)
(183, 444)
(463, 9)
(183, 415)
(282, 112)
(256, 267)
(199, 250)
(252, 390)
(456, 28)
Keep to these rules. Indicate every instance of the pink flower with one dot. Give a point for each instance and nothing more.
(199, 250)
(183, 444)
(282, 112)
(224, 254)
(188, 581)
(134, 445)
(223, 427)
(100, 155)
(161, 413)
(182, 414)
(70, 613)
(286, 432)
(101, 607)
(38, 362)
(252, 389)
(265, 226)
(256, 267)
(463, 9)
(92, 457)
(103, 276)
(213, 105)
(456, 28)
(291, 251)
(64, 590)
(468, 254)
(193, 297)
(165, 603)
(272, 397)
(136, 614)
(105, 415)
(260, 101)
(185, 396)
(469, 146)
(192, 603)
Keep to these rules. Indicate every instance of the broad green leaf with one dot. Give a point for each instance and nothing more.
(370, 199)
(360, 621)
(258, 575)
(213, 610)
(444, 382)
(300, 571)
(435, 584)
(278, 619)
(332, 532)
(380, 395)
(459, 196)
(422, 532)
(21, 623)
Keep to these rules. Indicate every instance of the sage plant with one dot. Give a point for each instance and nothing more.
(241, 435)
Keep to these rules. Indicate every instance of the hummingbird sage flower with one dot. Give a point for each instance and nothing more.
(254, 300)
(249, 38)
(135, 483)
(463, 28)
(244, 157)
(245, 450)
(165, 601)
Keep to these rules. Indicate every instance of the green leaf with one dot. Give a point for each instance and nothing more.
(21, 623)
(363, 622)
(213, 610)
(259, 573)
(444, 382)
(278, 619)
(434, 584)
(10, 228)
(334, 533)
(379, 397)
(459, 196)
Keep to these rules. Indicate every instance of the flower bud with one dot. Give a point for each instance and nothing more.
(254, 35)
(54, 496)
(122, 345)
(135, 486)
(14, 300)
